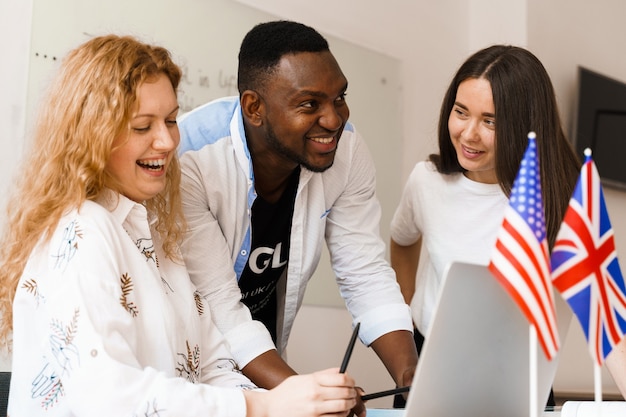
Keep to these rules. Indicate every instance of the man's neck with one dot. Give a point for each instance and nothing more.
(270, 184)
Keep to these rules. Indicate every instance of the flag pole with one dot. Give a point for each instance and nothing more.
(532, 365)
(597, 368)
(597, 383)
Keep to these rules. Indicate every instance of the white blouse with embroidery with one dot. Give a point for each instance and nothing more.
(106, 325)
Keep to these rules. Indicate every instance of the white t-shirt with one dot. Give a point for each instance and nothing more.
(458, 220)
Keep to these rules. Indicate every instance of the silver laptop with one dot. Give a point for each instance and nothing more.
(475, 360)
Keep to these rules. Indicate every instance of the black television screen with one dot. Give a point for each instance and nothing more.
(601, 125)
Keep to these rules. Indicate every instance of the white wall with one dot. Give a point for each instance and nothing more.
(15, 17)
(565, 34)
(14, 44)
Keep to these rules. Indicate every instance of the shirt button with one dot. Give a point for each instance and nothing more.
(94, 353)
(244, 252)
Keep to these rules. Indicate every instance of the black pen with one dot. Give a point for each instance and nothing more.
(346, 357)
(385, 393)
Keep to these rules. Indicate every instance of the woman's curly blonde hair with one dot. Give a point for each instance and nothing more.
(88, 105)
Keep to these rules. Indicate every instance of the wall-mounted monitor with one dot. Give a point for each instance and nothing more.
(601, 124)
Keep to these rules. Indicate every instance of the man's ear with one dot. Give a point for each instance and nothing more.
(252, 107)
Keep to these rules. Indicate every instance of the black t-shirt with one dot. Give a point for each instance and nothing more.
(269, 254)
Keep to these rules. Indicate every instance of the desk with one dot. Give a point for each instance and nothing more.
(570, 408)
(386, 412)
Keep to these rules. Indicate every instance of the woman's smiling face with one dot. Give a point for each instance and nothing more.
(140, 158)
(472, 124)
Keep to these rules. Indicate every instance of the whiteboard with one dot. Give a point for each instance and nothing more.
(204, 38)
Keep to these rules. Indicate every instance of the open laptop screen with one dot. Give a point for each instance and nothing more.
(475, 359)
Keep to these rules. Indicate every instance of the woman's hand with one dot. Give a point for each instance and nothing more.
(323, 393)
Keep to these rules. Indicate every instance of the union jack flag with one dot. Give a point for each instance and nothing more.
(585, 267)
(520, 258)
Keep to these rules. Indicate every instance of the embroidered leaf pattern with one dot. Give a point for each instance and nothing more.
(146, 247)
(126, 282)
(48, 386)
(230, 364)
(151, 410)
(68, 244)
(56, 392)
(189, 367)
(199, 304)
(72, 328)
(66, 333)
(31, 287)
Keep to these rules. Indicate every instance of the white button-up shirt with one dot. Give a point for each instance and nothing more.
(338, 205)
(106, 325)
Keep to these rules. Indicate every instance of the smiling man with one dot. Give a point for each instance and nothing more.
(267, 177)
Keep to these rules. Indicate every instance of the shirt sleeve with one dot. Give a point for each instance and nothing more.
(209, 260)
(366, 280)
(404, 228)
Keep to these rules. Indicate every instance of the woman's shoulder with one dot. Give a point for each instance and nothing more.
(90, 221)
(92, 213)
(426, 171)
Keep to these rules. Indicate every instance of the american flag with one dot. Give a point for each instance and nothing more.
(520, 257)
(585, 267)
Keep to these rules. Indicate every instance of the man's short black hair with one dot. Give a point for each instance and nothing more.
(266, 43)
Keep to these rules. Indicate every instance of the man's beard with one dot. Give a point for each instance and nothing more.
(281, 149)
